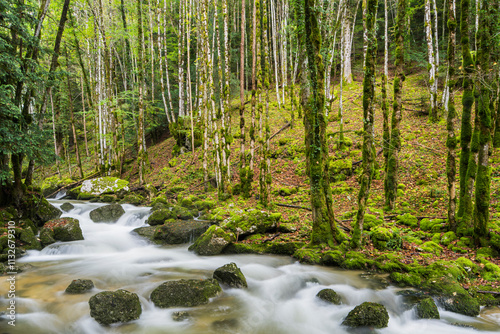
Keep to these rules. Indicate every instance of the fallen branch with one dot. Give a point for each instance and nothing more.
(294, 206)
(489, 292)
(272, 237)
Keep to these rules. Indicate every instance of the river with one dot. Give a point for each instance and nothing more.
(280, 297)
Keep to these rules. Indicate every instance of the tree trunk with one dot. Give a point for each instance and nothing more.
(433, 116)
(141, 156)
(385, 108)
(243, 167)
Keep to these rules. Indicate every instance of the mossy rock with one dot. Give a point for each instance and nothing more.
(79, 286)
(308, 255)
(406, 279)
(452, 297)
(356, 261)
(380, 236)
(204, 205)
(185, 293)
(145, 232)
(160, 199)
(371, 221)
(432, 247)
(45, 212)
(103, 185)
(251, 221)
(51, 184)
(67, 207)
(286, 228)
(448, 238)
(427, 309)
(434, 225)
(367, 315)
(407, 220)
(24, 239)
(213, 241)
(107, 198)
(333, 258)
(61, 229)
(329, 296)
(180, 232)
(158, 217)
(340, 169)
(107, 214)
(133, 199)
(110, 307)
(230, 275)
(73, 193)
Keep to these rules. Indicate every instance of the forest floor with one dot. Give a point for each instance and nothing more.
(422, 174)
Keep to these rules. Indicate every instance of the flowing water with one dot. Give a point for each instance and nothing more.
(280, 297)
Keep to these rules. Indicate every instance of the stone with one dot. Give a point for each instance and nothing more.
(79, 286)
(103, 185)
(251, 221)
(67, 207)
(158, 217)
(110, 307)
(180, 232)
(46, 212)
(61, 229)
(367, 315)
(145, 232)
(230, 275)
(185, 293)
(329, 296)
(180, 316)
(51, 184)
(107, 214)
(427, 309)
(213, 241)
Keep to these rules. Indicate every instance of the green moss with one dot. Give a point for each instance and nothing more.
(380, 236)
(448, 238)
(406, 279)
(356, 261)
(427, 309)
(329, 296)
(308, 255)
(408, 220)
(333, 258)
(367, 315)
(371, 221)
(432, 247)
(435, 225)
(251, 221)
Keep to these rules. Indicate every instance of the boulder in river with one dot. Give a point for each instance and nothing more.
(230, 275)
(427, 309)
(67, 207)
(185, 293)
(367, 315)
(61, 229)
(45, 212)
(107, 214)
(109, 307)
(213, 241)
(329, 296)
(104, 185)
(78, 286)
(180, 232)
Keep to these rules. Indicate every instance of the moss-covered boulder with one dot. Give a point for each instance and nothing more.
(380, 236)
(251, 221)
(408, 220)
(109, 307)
(434, 225)
(367, 315)
(158, 217)
(230, 275)
(180, 232)
(23, 238)
(61, 229)
(45, 212)
(185, 293)
(67, 207)
(432, 247)
(329, 296)
(340, 169)
(107, 214)
(213, 241)
(134, 199)
(371, 221)
(147, 232)
(79, 286)
(427, 309)
(103, 185)
(51, 184)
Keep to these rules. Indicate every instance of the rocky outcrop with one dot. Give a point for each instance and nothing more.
(185, 293)
(427, 309)
(79, 286)
(107, 214)
(367, 315)
(109, 307)
(230, 275)
(61, 229)
(213, 241)
(329, 296)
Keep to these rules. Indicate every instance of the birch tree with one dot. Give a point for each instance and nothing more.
(431, 55)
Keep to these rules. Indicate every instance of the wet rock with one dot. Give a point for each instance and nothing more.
(133, 199)
(158, 217)
(427, 309)
(180, 315)
(107, 214)
(45, 212)
(109, 307)
(367, 315)
(67, 207)
(79, 286)
(329, 296)
(185, 293)
(230, 275)
(145, 232)
(213, 241)
(61, 229)
(226, 325)
(103, 185)
(180, 232)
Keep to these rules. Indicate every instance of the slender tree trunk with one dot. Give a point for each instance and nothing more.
(451, 142)
(385, 108)
(392, 168)
(370, 13)
(141, 156)
(243, 167)
(84, 119)
(313, 99)
(433, 116)
(265, 162)
(161, 58)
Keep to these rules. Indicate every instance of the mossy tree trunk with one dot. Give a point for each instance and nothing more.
(313, 100)
(370, 13)
(385, 108)
(141, 156)
(451, 141)
(483, 177)
(243, 167)
(391, 177)
(265, 162)
(467, 103)
(433, 112)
